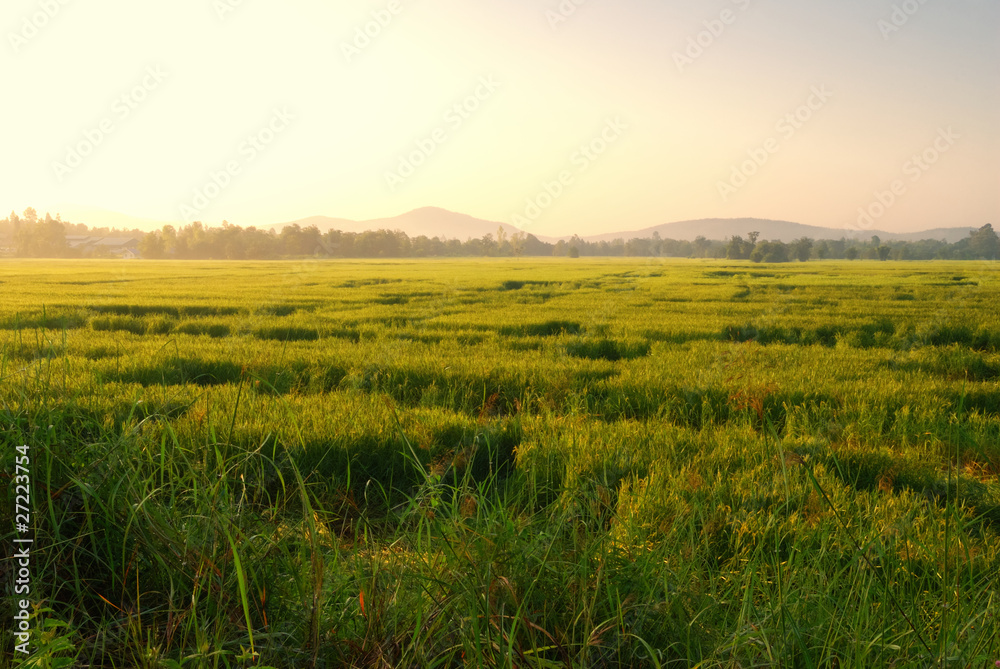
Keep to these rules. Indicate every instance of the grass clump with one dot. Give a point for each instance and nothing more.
(546, 329)
(607, 349)
(130, 324)
(214, 330)
(289, 333)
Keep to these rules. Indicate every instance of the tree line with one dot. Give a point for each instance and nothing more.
(30, 235)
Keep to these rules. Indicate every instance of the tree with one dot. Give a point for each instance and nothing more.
(884, 251)
(421, 246)
(311, 242)
(291, 239)
(36, 238)
(152, 245)
(501, 239)
(229, 242)
(984, 243)
(770, 252)
(517, 243)
(802, 248)
(701, 246)
(169, 236)
(191, 241)
(736, 249)
(574, 252)
(838, 248)
(488, 245)
(639, 247)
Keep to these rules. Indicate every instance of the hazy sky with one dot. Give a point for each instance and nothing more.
(574, 116)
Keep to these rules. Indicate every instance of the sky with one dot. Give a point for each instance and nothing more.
(558, 116)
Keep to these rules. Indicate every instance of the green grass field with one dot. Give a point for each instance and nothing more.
(556, 463)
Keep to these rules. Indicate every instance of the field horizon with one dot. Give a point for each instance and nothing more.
(432, 221)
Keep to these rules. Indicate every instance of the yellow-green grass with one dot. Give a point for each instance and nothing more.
(509, 462)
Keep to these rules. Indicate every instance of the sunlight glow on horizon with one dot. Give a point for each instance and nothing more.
(175, 107)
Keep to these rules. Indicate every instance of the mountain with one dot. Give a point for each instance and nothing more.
(429, 221)
(950, 235)
(437, 222)
(785, 231)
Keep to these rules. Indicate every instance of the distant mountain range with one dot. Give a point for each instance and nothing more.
(437, 222)
(428, 221)
(785, 231)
